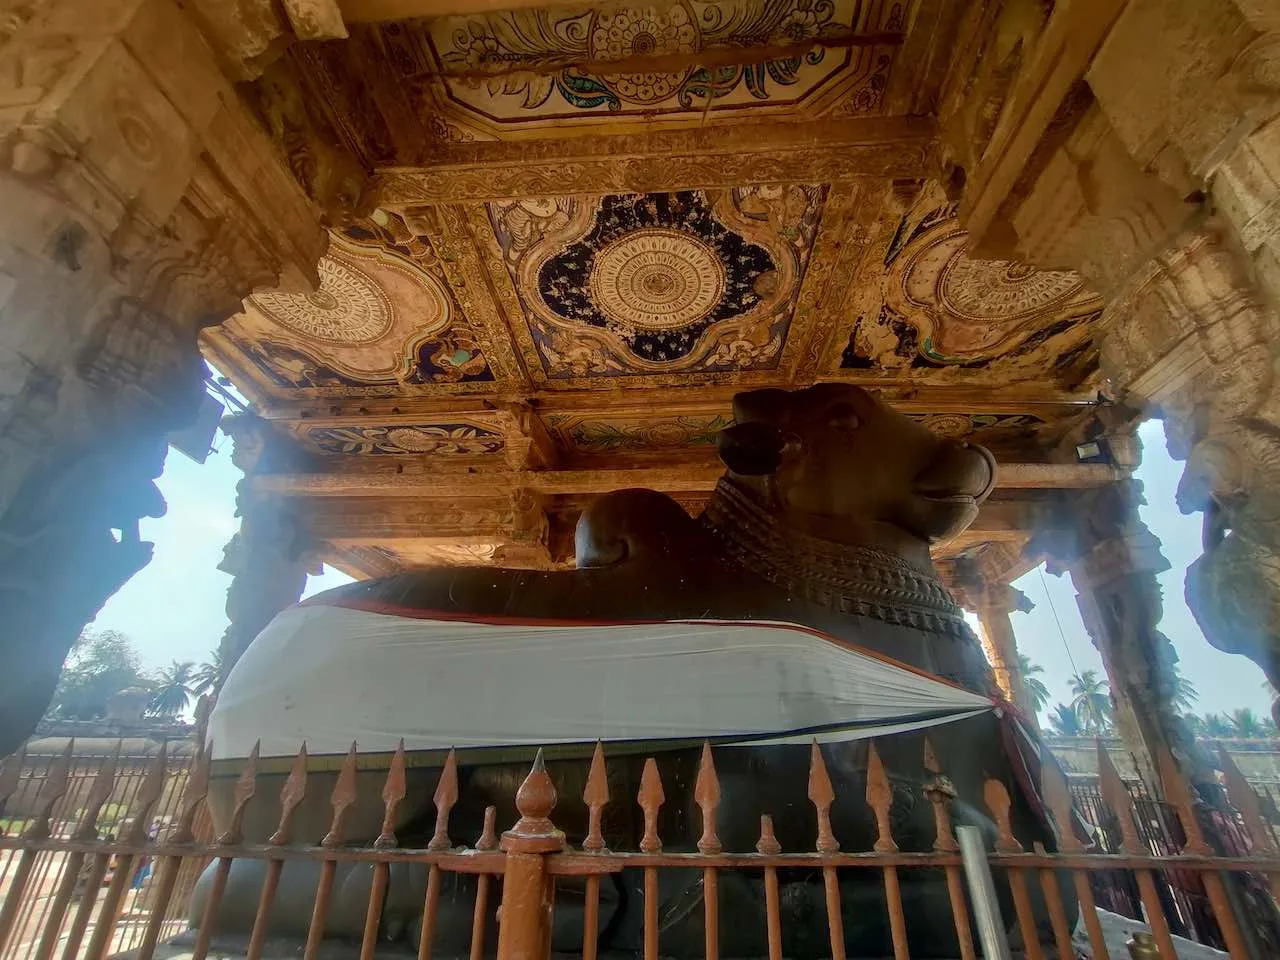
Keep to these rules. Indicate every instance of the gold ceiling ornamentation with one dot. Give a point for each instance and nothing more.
(348, 308)
(510, 74)
(982, 290)
(635, 284)
(657, 280)
(381, 319)
(942, 314)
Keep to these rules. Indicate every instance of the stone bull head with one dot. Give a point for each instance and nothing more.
(842, 465)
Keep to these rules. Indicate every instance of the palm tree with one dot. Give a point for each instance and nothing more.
(1036, 689)
(1216, 725)
(173, 689)
(208, 676)
(1185, 693)
(1065, 721)
(1091, 702)
(1246, 723)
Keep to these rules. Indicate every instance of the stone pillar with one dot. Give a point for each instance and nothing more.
(993, 604)
(1113, 560)
(141, 201)
(1161, 186)
(271, 555)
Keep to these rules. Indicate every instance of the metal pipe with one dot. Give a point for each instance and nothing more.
(982, 891)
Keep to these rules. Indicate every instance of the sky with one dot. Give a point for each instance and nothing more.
(173, 609)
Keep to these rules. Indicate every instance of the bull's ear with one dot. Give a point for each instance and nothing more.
(751, 449)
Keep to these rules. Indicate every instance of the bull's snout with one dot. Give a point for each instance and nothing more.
(960, 470)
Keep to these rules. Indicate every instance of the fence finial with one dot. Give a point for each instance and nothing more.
(651, 798)
(445, 797)
(996, 796)
(1058, 799)
(1243, 798)
(246, 786)
(147, 797)
(1178, 793)
(343, 796)
(103, 786)
(193, 795)
(768, 844)
(1117, 798)
(291, 794)
(51, 791)
(534, 832)
(706, 793)
(392, 793)
(596, 797)
(822, 795)
(880, 800)
(941, 793)
(489, 835)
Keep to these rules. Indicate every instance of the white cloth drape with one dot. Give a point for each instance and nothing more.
(328, 675)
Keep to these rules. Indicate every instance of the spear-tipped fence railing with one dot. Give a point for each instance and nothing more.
(70, 866)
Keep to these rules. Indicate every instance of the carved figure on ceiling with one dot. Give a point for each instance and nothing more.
(823, 521)
(659, 283)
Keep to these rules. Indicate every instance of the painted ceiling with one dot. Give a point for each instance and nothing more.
(575, 71)
(586, 227)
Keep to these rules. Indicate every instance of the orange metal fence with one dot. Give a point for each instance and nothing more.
(69, 874)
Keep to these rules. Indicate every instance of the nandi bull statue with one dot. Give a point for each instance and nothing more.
(802, 605)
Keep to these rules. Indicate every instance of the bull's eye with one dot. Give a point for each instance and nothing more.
(843, 416)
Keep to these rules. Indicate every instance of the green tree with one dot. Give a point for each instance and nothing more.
(1091, 702)
(1036, 689)
(1185, 693)
(1065, 721)
(1216, 725)
(208, 676)
(101, 664)
(1246, 723)
(172, 691)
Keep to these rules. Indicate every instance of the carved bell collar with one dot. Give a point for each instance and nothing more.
(856, 580)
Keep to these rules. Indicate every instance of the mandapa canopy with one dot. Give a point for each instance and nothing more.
(329, 674)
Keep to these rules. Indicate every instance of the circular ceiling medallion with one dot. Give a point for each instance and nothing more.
(657, 280)
(349, 307)
(1001, 289)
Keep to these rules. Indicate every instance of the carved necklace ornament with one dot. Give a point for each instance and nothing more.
(850, 579)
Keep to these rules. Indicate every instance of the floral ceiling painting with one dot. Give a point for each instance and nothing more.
(660, 283)
(447, 439)
(499, 74)
(380, 320)
(940, 314)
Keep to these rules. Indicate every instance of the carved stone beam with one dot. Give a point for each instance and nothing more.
(712, 157)
(249, 34)
(408, 482)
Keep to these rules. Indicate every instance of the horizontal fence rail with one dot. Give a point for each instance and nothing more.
(101, 863)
